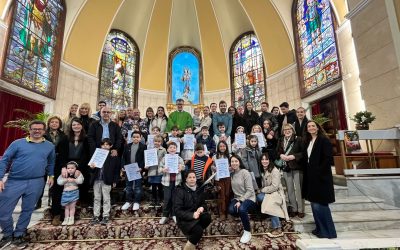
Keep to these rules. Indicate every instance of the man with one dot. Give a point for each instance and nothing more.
(179, 118)
(286, 116)
(133, 118)
(223, 117)
(265, 114)
(213, 110)
(100, 105)
(301, 121)
(31, 158)
(105, 128)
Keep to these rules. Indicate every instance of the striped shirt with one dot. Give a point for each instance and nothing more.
(198, 165)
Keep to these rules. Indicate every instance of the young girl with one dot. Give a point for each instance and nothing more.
(270, 139)
(239, 130)
(256, 129)
(187, 154)
(70, 194)
(272, 196)
(225, 183)
(251, 158)
(196, 119)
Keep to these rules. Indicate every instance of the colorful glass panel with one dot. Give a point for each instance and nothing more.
(34, 36)
(319, 61)
(248, 72)
(118, 74)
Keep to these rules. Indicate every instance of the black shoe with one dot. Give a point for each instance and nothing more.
(5, 241)
(19, 242)
(95, 220)
(104, 221)
(315, 233)
(38, 204)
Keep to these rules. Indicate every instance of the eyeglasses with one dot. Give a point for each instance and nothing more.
(36, 129)
(106, 112)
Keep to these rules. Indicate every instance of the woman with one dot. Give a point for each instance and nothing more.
(244, 195)
(205, 121)
(275, 111)
(71, 114)
(121, 117)
(290, 152)
(149, 118)
(190, 210)
(250, 116)
(84, 115)
(318, 181)
(237, 120)
(272, 196)
(160, 120)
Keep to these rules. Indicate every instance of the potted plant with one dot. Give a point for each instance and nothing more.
(363, 119)
(23, 122)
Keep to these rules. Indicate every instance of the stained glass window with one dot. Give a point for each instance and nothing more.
(118, 72)
(248, 81)
(316, 41)
(34, 45)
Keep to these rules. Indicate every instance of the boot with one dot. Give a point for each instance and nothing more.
(65, 222)
(71, 221)
(189, 246)
(56, 220)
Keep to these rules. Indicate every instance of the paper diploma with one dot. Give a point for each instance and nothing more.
(99, 157)
(189, 142)
(261, 139)
(132, 172)
(240, 140)
(129, 136)
(178, 143)
(172, 163)
(150, 141)
(150, 157)
(222, 166)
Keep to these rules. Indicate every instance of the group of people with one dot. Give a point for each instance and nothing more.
(279, 146)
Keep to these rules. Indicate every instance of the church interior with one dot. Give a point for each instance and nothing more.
(333, 57)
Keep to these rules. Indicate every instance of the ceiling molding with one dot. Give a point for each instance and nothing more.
(357, 9)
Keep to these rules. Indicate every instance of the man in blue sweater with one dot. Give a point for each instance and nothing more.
(30, 159)
(223, 117)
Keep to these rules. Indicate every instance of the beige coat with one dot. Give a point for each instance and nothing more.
(274, 200)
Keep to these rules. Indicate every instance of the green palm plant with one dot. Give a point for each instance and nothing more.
(23, 122)
(321, 120)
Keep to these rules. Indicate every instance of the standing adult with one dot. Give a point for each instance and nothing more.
(250, 116)
(134, 119)
(240, 110)
(83, 114)
(237, 120)
(318, 182)
(31, 158)
(301, 121)
(121, 117)
(265, 115)
(213, 110)
(101, 104)
(179, 118)
(160, 120)
(191, 210)
(149, 118)
(286, 116)
(275, 111)
(72, 112)
(206, 120)
(223, 117)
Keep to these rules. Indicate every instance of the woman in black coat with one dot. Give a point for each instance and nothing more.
(250, 116)
(318, 181)
(237, 120)
(190, 209)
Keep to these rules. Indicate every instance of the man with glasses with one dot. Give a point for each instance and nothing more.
(179, 118)
(134, 119)
(30, 158)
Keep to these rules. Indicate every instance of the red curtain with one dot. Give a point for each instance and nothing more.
(10, 102)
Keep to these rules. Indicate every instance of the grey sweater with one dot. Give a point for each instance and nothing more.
(242, 185)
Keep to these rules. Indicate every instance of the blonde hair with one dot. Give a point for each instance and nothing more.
(256, 126)
(288, 125)
(84, 105)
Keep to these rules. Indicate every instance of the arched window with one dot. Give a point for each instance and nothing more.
(317, 54)
(119, 71)
(247, 71)
(33, 49)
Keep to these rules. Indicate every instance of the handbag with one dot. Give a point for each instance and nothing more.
(279, 163)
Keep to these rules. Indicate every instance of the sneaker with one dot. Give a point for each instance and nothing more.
(163, 220)
(174, 218)
(71, 221)
(5, 241)
(19, 242)
(65, 222)
(104, 221)
(95, 220)
(126, 206)
(246, 237)
(135, 206)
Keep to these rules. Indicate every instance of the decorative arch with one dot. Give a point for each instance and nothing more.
(34, 45)
(247, 71)
(314, 26)
(119, 71)
(185, 76)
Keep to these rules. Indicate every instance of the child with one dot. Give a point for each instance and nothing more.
(239, 130)
(154, 174)
(133, 152)
(187, 154)
(201, 163)
(175, 138)
(136, 127)
(256, 129)
(196, 119)
(70, 193)
(205, 139)
(270, 139)
(169, 182)
(274, 203)
(222, 137)
(251, 158)
(225, 183)
(102, 180)
(154, 131)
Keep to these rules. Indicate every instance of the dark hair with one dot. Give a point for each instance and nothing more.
(241, 165)
(52, 118)
(199, 146)
(219, 153)
(171, 143)
(174, 128)
(37, 122)
(136, 132)
(73, 163)
(307, 138)
(102, 102)
(266, 103)
(270, 165)
(180, 100)
(204, 127)
(165, 116)
(274, 107)
(106, 140)
(251, 137)
(221, 124)
(284, 104)
(149, 109)
(222, 102)
(212, 104)
(189, 127)
(186, 174)
(71, 134)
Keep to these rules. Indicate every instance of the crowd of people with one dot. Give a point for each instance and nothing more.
(281, 148)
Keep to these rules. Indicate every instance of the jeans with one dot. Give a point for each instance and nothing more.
(276, 223)
(101, 190)
(325, 228)
(134, 188)
(242, 212)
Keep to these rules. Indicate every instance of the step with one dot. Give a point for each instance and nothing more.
(140, 228)
(352, 203)
(341, 191)
(354, 221)
(339, 244)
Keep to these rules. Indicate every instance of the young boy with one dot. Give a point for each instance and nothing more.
(133, 152)
(205, 139)
(187, 154)
(174, 137)
(154, 175)
(201, 164)
(196, 119)
(222, 137)
(102, 180)
(169, 182)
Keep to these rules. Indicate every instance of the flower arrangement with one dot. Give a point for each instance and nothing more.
(363, 119)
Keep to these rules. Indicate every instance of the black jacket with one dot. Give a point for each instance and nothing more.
(317, 180)
(185, 203)
(251, 120)
(267, 115)
(237, 120)
(300, 129)
(110, 169)
(291, 118)
(296, 150)
(126, 156)
(96, 132)
(61, 148)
